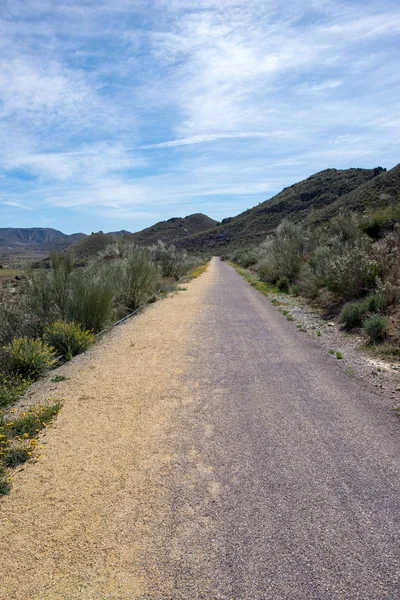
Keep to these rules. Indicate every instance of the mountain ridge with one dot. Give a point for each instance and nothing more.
(315, 199)
(35, 239)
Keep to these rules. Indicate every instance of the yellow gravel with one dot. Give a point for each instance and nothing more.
(82, 522)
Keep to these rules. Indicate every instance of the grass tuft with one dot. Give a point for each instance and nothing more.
(18, 438)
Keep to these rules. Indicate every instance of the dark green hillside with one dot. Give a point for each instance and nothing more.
(174, 229)
(298, 202)
(91, 245)
(379, 192)
(167, 231)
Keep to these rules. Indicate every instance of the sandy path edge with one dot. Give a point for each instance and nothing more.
(76, 523)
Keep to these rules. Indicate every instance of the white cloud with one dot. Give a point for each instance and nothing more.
(87, 163)
(86, 89)
(201, 139)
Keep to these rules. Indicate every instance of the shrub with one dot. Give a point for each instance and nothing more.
(375, 303)
(40, 297)
(375, 327)
(62, 268)
(282, 255)
(15, 457)
(5, 485)
(15, 321)
(308, 281)
(295, 290)
(91, 299)
(283, 285)
(353, 314)
(245, 258)
(380, 221)
(11, 388)
(29, 357)
(350, 274)
(139, 279)
(68, 339)
(173, 263)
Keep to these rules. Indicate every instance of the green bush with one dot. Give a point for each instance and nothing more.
(91, 300)
(245, 258)
(309, 283)
(353, 314)
(15, 456)
(295, 290)
(16, 321)
(282, 255)
(5, 485)
(375, 303)
(11, 388)
(139, 279)
(350, 274)
(380, 221)
(375, 327)
(62, 268)
(172, 262)
(68, 339)
(29, 357)
(283, 285)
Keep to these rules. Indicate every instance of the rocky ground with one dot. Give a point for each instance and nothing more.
(380, 374)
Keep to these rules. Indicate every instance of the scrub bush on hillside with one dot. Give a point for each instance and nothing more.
(29, 358)
(172, 262)
(67, 339)
(281, 256)
(139, 278)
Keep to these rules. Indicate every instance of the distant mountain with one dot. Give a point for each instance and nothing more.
(315, 199)
(174, 229)
(14, 240)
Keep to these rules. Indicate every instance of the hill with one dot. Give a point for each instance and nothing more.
(170, 232)
(317, 198)
(378, 192)
(91, 245)
(34, 242)
(174, 229)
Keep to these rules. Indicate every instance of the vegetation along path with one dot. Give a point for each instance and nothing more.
(208, 449)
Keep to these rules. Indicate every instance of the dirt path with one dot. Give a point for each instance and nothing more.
(208, 449)
(76, 523)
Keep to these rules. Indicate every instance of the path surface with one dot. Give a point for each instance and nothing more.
(207, 449)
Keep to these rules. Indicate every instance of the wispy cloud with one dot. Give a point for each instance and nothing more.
(124, 115)
(202, 139)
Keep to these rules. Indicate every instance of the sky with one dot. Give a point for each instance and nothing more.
(116, 114)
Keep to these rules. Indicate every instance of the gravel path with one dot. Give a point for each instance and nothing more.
(208, 449)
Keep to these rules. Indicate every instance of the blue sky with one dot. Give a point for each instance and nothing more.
(120, 113)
